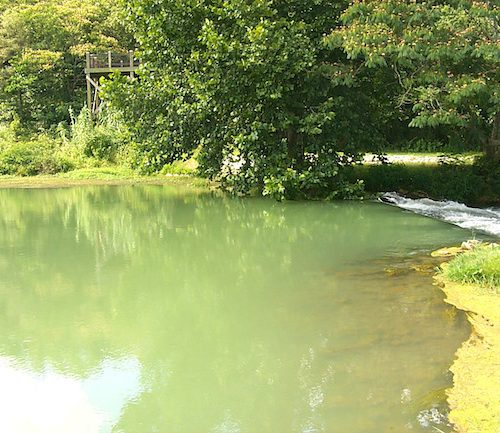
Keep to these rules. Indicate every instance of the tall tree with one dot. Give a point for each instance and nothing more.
(445, 55)
(249, 83)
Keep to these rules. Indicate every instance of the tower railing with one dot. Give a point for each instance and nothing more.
(101, 64)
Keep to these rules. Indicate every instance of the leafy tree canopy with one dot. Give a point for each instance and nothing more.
(445, 56)
(248, 83)
(282, 94)
(42, 47)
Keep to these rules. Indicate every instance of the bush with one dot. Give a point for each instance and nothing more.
(180, 168)
(29, 158)
(452, 143)
(86, 144)
(100, 145)
(100, 139)
(321, 181)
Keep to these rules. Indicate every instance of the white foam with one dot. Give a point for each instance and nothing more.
(486, 220)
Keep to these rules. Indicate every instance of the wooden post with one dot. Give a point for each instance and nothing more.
(89, 86)
(96, 69)
(95, 105)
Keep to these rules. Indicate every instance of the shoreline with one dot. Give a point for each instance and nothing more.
(54, 181)
(474, 399)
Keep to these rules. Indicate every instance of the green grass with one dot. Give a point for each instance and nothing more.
(104, 173)
(92, 178)
(480, 266)
(188, 167)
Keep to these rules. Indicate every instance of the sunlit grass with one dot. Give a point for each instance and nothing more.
(103, 173)
(480, 266)
(103, 176)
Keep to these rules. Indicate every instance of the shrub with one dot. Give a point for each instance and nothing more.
(322, 180)
(100, 139)
(100, 144)
(86, 144)
(29, 158)
(179, 168)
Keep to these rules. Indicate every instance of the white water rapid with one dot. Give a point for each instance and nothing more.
(485, 220)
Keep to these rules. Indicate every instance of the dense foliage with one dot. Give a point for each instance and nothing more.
(280, 97)
(249, 85)
(42, 54)
(85, 143)
(475, 184)
(273, 103)
(445, 56)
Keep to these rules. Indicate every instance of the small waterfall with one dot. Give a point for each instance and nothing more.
(486, 220)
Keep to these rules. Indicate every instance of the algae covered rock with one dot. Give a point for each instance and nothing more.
(475, 397)
(447, 252)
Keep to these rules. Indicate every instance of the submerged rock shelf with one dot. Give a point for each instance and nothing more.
(475, 397)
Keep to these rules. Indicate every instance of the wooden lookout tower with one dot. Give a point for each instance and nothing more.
(102, 64)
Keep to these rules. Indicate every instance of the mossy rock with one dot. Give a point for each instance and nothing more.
(447, 252)
(396, 272)
(475, 397)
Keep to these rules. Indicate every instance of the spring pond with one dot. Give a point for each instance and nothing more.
(141, 309)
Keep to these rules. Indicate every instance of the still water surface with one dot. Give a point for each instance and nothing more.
(158, 309)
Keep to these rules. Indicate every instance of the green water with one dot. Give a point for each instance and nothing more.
(154, 309)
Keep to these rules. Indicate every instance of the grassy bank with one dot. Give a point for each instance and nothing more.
(480, 267)
(100, 176)
(83, 153)
(471, 282)
(104, 151)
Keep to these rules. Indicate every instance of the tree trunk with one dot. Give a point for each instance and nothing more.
(20, 106)
(493, 146)
(295, 146)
